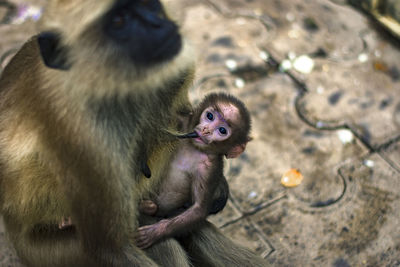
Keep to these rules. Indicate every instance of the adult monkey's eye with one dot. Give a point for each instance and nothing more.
(222, 130)
(119, 20)
(210, 116)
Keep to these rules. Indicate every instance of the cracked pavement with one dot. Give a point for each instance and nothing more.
(338, 124)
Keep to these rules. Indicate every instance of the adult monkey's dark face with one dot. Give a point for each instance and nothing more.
(143, 29)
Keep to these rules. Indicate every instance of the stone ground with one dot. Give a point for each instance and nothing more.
(337, 123)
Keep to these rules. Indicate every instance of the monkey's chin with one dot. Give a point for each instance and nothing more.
(168, 50)
(199, 140)
(200, 144)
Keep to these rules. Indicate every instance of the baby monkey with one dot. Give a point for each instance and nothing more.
(221, 126)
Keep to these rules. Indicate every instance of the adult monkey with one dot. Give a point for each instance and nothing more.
(81, 106)
(83, 109)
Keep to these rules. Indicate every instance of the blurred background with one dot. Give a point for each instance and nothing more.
(319, 184)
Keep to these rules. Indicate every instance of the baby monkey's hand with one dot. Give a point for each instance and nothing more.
(149, 234)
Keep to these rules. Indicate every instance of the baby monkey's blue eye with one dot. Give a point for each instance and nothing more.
(210, 116)
(222, 130)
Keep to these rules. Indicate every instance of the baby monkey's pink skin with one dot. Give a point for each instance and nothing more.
(194, 174)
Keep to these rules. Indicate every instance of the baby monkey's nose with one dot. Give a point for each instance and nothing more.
(205, 131)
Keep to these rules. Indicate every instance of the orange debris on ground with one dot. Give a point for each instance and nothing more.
(292, 178)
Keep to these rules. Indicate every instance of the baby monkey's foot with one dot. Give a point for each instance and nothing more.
(148, 207)
(65, 223)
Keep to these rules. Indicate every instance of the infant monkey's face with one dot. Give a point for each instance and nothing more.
(216, 123)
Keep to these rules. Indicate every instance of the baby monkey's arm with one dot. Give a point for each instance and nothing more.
(202, 191)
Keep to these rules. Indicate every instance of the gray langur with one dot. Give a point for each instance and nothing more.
(83, 110)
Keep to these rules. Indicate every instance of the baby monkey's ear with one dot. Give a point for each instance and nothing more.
(236, 150)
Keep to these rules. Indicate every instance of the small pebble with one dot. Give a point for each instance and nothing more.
(303, 64)
(320, 124)
(26, 12)
(292, 55)
(252, 195)
(345, 136)
(239, 83)
(292, 178)
(264, 55)
(285, 65)
(369, 163)
(363, 57)
(231, 64)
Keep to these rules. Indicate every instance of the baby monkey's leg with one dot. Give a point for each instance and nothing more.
(65, 223)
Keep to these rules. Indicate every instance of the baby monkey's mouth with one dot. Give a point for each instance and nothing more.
(194, 135)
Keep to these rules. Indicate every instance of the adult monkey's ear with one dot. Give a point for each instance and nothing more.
(236, 150)
(53, 54)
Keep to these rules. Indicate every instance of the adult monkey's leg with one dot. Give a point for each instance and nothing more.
(167, 252)
(208, 247)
